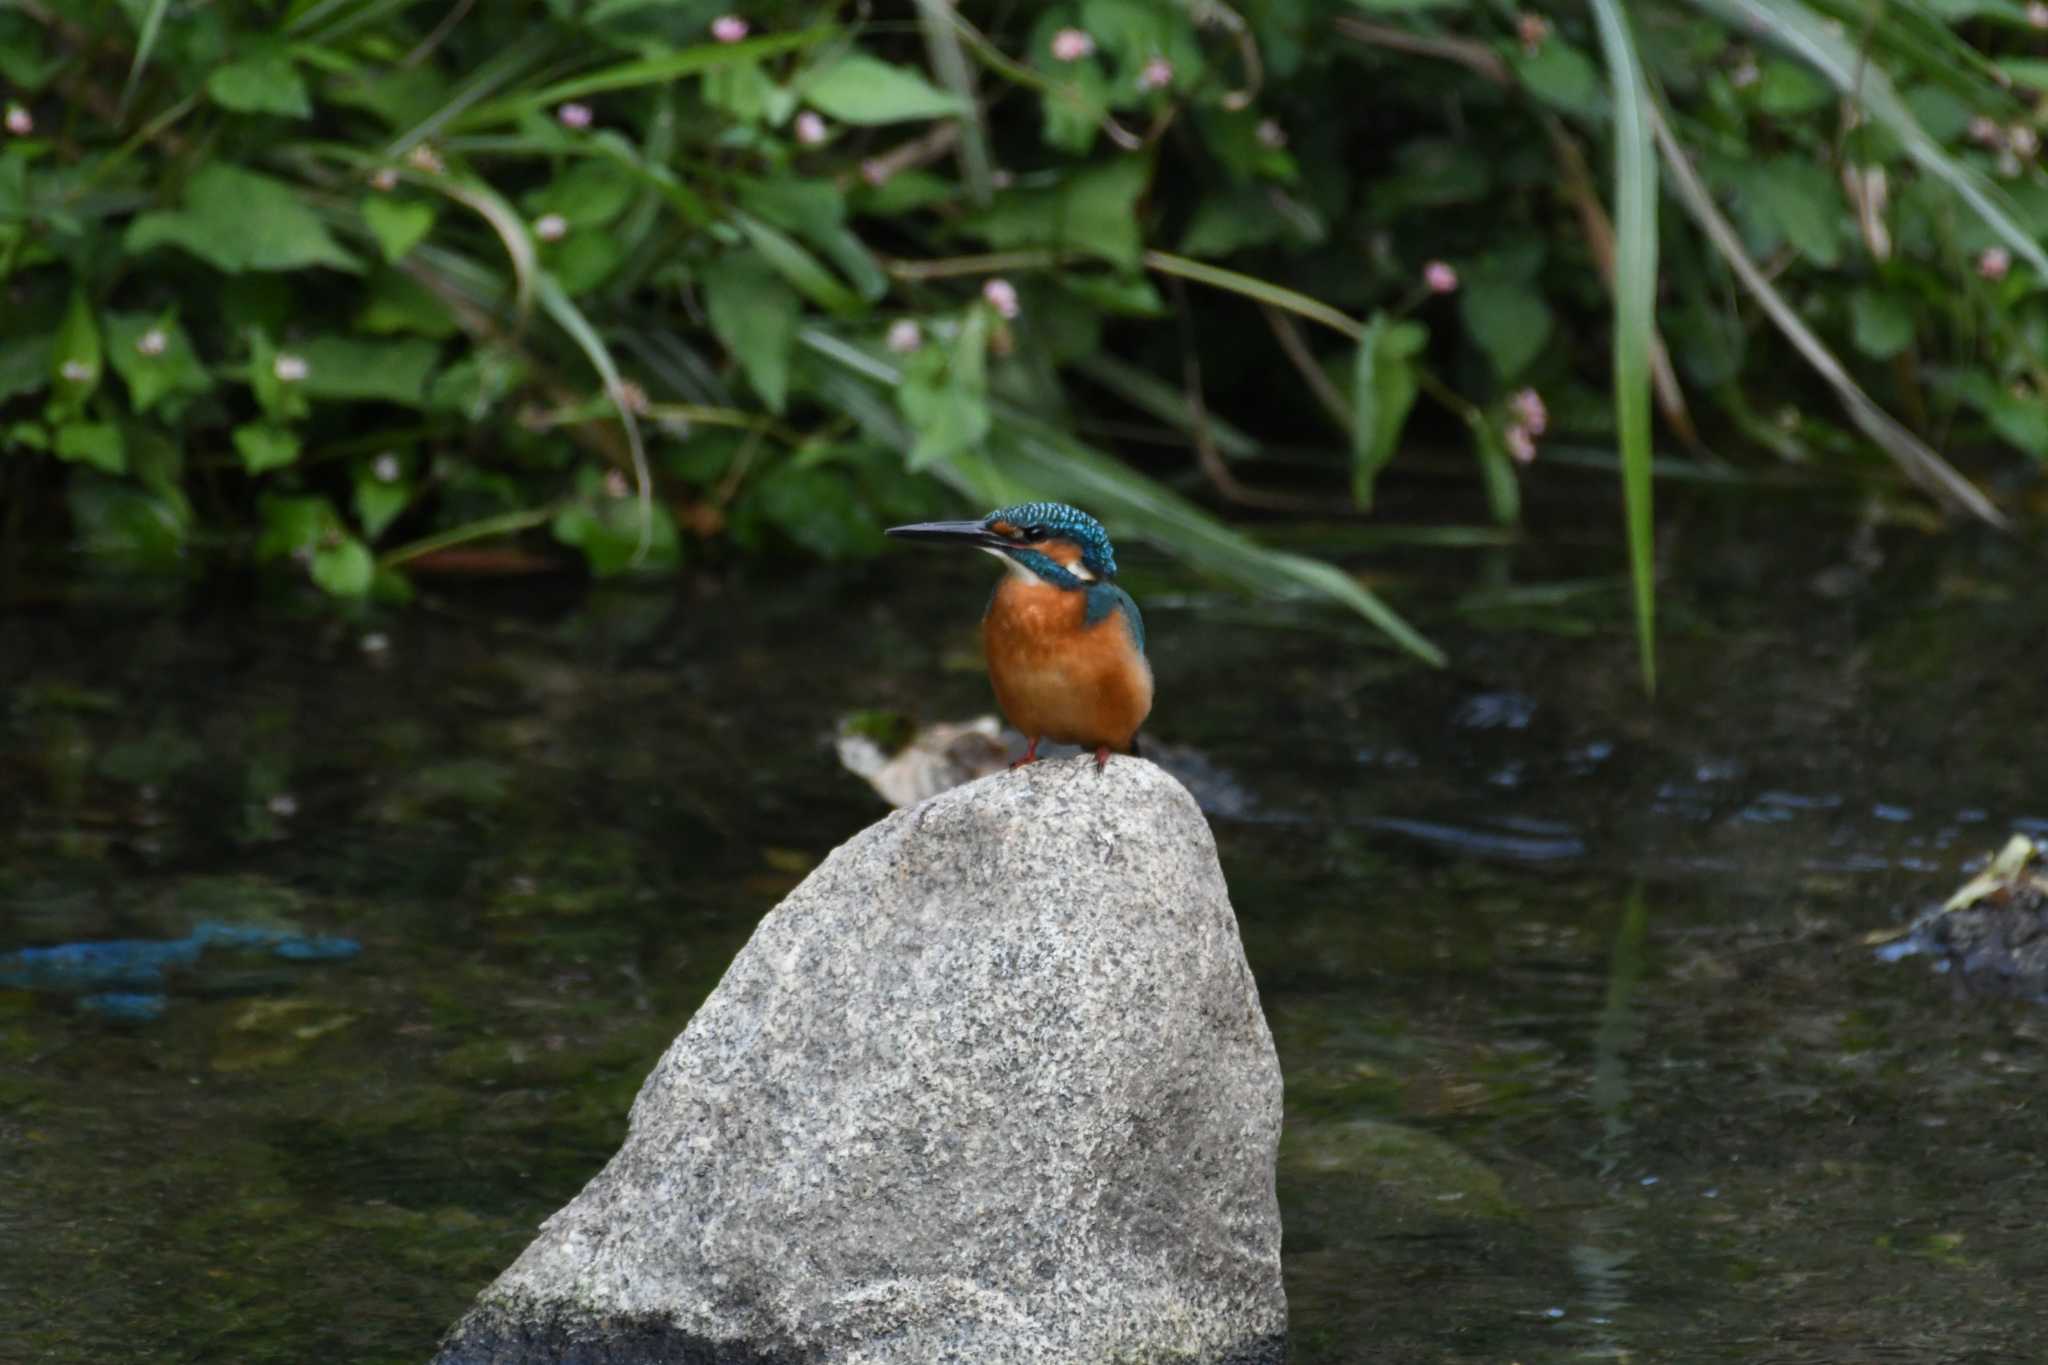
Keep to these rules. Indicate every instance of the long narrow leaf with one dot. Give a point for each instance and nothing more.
(504, 220)
(1027, 457)
(690, 61)
(1635, 295)
(1920, 463)
(1800, 31)
(145, 44)
(953, 70)
(557, 304)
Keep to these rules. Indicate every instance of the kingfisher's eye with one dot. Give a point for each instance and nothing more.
(1034, 533)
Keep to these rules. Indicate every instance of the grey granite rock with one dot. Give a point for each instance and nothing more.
(992, 1085)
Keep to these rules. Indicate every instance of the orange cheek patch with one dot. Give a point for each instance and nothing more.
(1063, 553)
(1004, 529)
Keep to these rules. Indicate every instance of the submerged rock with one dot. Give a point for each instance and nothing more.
(1993, 932)
(992, 1085)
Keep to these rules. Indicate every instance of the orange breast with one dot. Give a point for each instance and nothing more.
(1057, 678)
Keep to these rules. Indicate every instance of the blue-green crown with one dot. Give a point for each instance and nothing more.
(1066, 523)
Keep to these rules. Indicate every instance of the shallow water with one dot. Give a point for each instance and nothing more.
(1585, 1057)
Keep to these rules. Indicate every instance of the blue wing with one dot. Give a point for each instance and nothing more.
(1105, 599)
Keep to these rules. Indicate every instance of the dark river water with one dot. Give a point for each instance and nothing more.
(383, 920)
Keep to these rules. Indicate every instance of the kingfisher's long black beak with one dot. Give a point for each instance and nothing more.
(949, 532)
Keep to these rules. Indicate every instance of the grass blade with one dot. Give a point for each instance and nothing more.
(1919, 462)
(1635, 297)
(1805, 34)
(1026, 457)
(950, 62)
(690, 61)
(556, 303)
(145, 43)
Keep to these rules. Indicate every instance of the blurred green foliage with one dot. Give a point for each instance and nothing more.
(341, 283)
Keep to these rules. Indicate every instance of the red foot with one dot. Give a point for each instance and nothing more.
(1030, 756)
(1101, 757)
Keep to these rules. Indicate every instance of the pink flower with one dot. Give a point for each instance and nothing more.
(573, 115)
(1532, 29)
(19, 121)
(2037, 14)
(1521, 444)
(810, 129)
(1440, 278)
(1072, 44)
(1271, 134)
(633, 398)
(1993, 262)
(1985, 132)
(1156, 74)
(289, 368)
(875, 171)
(728, 28)
(384, 179)
(615, 485)
(386, 468)
(1001, 296)
(77, 371)
(1745, 73)
(152, 342)
(1527, 406)
(425, 158)
(2023, 140)
(905, 336)
(551, 227)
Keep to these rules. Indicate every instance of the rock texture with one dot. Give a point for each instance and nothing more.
(992, 1085)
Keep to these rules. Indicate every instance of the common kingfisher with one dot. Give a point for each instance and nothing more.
(1065, 644)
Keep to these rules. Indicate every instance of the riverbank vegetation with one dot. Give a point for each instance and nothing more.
(348, 288)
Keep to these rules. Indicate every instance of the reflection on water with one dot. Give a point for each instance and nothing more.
(1585, 1057)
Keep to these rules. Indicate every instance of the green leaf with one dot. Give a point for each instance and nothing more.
(799, 267)
(1802, 199)
(397, 224)
(344, 569)
(291, 525)
(1635, 305)
(1231, 220)
(349, 367)
(98, 444)
(1383, 387)
(1507, 319)
(118, 520)
(583, 260)
(1560, 75)
(588, 194)
(1094, 210)
(611, 530)
(1842, 56)
(282, 400)
(817, 508)
(754, 313)
(238, 220)
(378, 501)
(265, 447)
(2029, 73)
(264, 84)
(653, 71)
(154, 357)
(1785, 89)
(857, 88)
(1881, 324)
(945, 394)
(74, 359)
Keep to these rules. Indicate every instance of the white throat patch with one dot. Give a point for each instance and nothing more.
(1013, 565)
